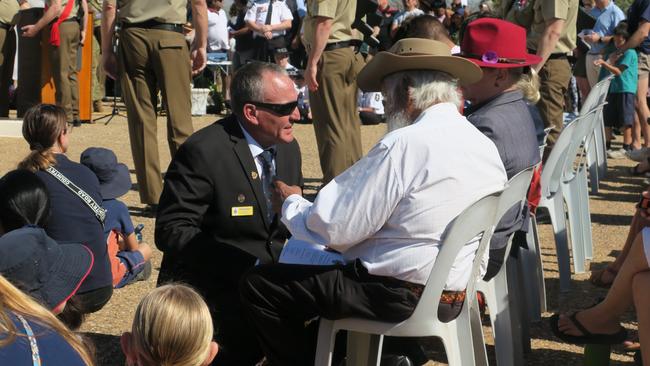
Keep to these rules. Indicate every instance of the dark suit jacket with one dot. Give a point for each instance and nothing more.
(212, 172)
(507, 121)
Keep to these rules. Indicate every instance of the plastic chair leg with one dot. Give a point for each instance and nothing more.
(520, 322)
(592, 162)
(364, 349)
(527, 273)
(558, 220)
(325, 345)
(587, 238)
(600, 150)
(535, 255)
(571, 192)
(501, 317)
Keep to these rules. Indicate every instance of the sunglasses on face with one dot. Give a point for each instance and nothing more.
(279, 109)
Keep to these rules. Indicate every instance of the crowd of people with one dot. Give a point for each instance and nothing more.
(485, 84)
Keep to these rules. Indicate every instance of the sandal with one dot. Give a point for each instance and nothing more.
(596, 278)
(587, 337)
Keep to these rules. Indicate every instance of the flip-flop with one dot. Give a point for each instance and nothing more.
(587, 337)
(596, 278)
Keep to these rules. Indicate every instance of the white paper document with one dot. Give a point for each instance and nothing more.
(302, 252)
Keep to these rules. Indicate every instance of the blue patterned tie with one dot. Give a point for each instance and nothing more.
(266, 158)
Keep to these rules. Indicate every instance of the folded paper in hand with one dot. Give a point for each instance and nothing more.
(302, 252)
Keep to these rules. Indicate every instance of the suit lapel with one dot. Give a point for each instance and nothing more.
(243, 153)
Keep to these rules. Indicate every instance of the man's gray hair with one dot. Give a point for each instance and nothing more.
(248, 85)
(424, 87)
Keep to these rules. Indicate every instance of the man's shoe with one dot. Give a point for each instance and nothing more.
(639, 154)
(98, 106)
(150, 210)
(76, 123)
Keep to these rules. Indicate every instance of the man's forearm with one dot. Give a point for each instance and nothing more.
(321, 35)
(50, 14)
(84, 21)
(200, 21)
(548, 40)
(107, 27)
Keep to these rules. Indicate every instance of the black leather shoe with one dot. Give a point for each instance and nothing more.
(76, 123)
(150, 210)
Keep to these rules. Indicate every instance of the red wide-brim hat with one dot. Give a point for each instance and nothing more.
(496, 43)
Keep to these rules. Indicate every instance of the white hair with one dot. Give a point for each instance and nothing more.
(423, 88)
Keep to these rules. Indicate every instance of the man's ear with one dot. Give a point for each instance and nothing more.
(250, 113)
(214, 348)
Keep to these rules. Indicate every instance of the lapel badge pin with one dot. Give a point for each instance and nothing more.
(254, 175)
(241, 198)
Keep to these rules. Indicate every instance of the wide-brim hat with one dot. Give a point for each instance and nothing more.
(416, 54)
(496, 43)
(44, 269)
(114, 177)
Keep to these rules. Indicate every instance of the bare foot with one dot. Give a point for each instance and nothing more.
(593, 322)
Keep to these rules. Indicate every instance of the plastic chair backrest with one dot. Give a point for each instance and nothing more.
(552, 169)
(597, 95)
(584, 129)
(477, 219)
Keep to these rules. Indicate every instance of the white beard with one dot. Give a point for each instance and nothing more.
(396, 120)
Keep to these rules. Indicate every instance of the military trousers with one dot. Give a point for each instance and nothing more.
(334, 110)
(7, 52)
(150, 60)
(64, 69)
(554, 82)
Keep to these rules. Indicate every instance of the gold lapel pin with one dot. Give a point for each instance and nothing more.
(254, 175)
(241, 198)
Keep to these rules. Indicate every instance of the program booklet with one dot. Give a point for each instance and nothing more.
(302, 252)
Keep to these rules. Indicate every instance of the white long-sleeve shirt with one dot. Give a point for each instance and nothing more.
(391, 208)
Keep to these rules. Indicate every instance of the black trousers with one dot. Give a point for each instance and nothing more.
(371, 118)
(279, 299)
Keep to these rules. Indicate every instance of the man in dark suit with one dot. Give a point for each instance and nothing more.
(215, 220)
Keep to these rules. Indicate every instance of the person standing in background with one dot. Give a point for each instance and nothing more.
(8, 11)
(331, 75)
(65, 24)
(99, 78)
(153, 54)
(607, 15)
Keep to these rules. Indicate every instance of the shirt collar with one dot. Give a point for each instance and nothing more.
(253, 145)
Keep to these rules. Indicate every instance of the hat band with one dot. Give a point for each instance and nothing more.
(491, 57)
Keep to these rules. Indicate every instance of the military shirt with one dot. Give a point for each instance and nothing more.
(96, 7)
(138, 11)
(341, 12)
(73, 12)
(8, 11)
(544, 10)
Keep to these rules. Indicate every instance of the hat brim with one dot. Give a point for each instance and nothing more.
(77, 261)
(119, 185)
(386, 63)
(530, 60)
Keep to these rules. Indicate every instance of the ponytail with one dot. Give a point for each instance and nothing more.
(42, 126)
(528, 83)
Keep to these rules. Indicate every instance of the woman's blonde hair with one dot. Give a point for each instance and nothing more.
(528, 82)
(172, 326)
(42, 126)
(12, 300)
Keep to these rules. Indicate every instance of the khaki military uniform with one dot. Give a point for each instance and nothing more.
(99, 77)
(8, 11)
(149, 60)
(556, 73)
(334, 104)
(63, 60)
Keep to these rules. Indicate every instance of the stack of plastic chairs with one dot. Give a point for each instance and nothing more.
(502, 293)
(595, 143)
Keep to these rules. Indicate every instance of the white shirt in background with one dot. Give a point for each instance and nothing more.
(372, 100)
(217, 31)
(406, 15)
(257, 14)
(391, 208)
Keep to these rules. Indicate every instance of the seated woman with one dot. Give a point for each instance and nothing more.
(29, 331)
(600, 324)
(74, 219)
(168, 307)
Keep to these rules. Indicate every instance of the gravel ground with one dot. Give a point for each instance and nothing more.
(611, 214)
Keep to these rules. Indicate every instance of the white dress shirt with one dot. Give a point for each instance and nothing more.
(257, 14)
(374, 100)
(256, 149)
(391, 208)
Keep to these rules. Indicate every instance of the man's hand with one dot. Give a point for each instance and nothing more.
(645, 212)
(310, 77)
(29, 31)
(82, 38)
(268, 35)
(199, 60)
(109, 62)
(280, 193)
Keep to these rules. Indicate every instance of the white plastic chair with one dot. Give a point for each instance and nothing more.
(506, 328)
(595, 142)
(457, 335)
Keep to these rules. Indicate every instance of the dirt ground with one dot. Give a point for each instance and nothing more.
(611, 214)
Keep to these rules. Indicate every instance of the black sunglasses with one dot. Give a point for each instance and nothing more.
(279, 109)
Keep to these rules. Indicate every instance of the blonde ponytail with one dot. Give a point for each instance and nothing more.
(528, 83)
